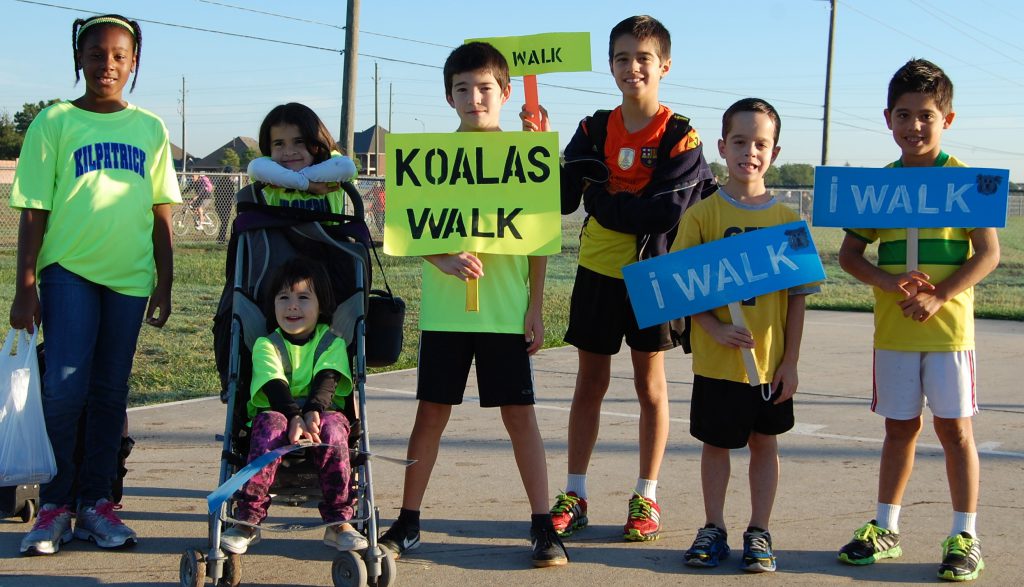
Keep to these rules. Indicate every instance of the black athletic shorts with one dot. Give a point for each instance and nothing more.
(600, 316)
(503, 369)
(723, 413)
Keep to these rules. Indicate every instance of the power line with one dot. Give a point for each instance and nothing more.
(325, 24)
(930, 46)
(274, 14)
(935, 13)
(193, 28)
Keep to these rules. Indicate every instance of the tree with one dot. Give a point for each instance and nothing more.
(28, 113)
(230, 160)
(250, 154)
(796, 175)
(10, 140)
(772, 177)
(721, 171)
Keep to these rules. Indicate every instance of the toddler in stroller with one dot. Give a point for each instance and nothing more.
(300, 359)
(264, 238)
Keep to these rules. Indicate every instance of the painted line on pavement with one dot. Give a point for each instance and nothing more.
(800, 429)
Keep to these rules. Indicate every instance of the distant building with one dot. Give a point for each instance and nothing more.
(176, 155)
(369, 148)
(212, 162)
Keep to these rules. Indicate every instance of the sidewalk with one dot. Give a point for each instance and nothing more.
(476, 517)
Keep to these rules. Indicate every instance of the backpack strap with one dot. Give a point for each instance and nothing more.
(597, 131)
(675, 129)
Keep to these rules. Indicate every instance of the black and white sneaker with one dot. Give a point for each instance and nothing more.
(548, 550)
(400, 538)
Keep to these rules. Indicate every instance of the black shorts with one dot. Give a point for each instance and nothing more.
(503, 369)
(723, 413)
(600, 315)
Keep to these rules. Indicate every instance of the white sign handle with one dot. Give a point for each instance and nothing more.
(912, 262)
(749, 362)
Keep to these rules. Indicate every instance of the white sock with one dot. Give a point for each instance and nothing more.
(577, 484)
(887, 515)
(964, 522)
(647, 488)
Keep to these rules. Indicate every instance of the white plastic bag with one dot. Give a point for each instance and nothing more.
(25, 452)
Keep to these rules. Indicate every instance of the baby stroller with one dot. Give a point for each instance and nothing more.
(263, 237)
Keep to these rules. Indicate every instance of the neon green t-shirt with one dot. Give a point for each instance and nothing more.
(941, 252)
(99, 176)
(504, 297)
(267, 366)
(718, 217)
(333, 202)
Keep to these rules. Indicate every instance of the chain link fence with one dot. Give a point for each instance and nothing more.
(208, 209)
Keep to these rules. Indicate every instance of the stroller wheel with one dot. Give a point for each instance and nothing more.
(28, 511)
(388, 568)
(232, 576)
(348, 570)
(192, 570)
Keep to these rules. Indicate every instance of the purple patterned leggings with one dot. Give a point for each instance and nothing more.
(270, 431)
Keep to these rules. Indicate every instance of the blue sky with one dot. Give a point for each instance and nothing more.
(722, 51)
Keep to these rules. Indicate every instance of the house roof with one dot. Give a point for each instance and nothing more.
(176, 153)
(239, 144)
(364, 142)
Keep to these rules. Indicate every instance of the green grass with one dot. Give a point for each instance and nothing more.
(177, 362)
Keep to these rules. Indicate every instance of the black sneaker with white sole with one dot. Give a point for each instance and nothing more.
(400, 538)
(548, 550)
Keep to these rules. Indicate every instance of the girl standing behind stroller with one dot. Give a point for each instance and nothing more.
(299, 165)
(94, 186)
(316, 369)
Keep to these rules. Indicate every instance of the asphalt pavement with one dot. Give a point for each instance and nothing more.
(476, 516)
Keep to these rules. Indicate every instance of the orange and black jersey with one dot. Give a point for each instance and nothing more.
(638, 184)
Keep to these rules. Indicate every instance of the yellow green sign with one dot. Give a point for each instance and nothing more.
(490, 192)
(543, 53)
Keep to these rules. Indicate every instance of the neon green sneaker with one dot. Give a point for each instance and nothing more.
(961, 558)
(870, 543)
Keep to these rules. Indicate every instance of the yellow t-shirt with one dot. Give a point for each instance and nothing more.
(267, 366)
(504, 296)
(99, 176)
(718, 217)
(941, 251)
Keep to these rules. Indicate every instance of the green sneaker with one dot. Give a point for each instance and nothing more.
(871, 543)
(961, 558)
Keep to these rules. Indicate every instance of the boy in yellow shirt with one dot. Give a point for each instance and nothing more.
(726, 412)
(924, 335)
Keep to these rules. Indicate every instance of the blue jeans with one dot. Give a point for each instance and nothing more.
(90, 335)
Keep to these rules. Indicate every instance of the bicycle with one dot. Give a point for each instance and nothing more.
(186, 218)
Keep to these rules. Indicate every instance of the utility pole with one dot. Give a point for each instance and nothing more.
(828, 83)
(376, 127)
(184, 151)
(348, 89)
(390, 103)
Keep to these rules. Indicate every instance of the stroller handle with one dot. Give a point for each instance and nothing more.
(356, 198)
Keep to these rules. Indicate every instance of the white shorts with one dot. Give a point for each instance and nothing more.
(904, 381)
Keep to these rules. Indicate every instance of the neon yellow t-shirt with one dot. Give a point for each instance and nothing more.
(718, 217)
(504, 297)
(99, 176)
(266, 366)
(333, 202)
(941, 251)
